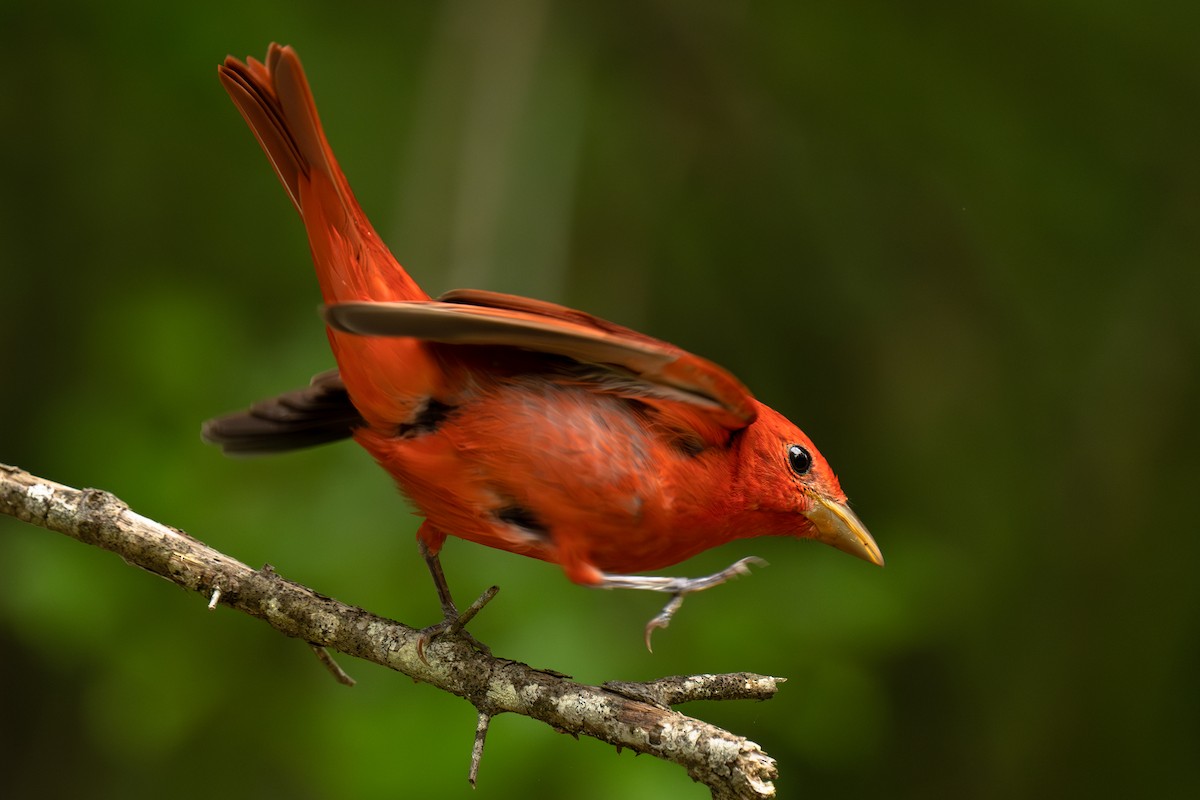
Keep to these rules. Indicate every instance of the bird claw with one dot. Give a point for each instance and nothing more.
(678, 588)
(447, 626)
(454, 624)
(663, 618)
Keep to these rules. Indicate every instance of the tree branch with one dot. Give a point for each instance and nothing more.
(628, 715)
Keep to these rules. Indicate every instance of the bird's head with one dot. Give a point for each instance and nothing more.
(786, 480)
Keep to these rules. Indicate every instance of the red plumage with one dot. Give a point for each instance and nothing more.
(520, 424)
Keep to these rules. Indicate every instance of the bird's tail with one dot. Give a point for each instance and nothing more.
(388, 379)
(352, 262)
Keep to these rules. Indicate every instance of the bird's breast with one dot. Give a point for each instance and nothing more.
(543, 469)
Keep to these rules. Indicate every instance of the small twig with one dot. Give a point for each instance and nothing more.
(335, 670)
(676, 689)
(216, 598)
(481, 730)
(472, 610)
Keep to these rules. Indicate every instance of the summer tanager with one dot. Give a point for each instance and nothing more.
(517, 423)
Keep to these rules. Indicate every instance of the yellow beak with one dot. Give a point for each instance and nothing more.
(839, 527)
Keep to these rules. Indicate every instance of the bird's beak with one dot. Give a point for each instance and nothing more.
(838, 526)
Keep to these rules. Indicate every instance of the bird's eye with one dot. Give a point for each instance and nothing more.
(800, 459)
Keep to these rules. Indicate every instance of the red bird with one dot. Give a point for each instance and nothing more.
(516, 423)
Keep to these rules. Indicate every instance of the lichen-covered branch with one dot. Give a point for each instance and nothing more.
(628, 715)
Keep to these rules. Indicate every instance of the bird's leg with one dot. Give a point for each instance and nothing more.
(449, 610)
(678, 588)
(452, 621)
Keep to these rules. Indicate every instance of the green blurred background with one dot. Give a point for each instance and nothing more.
(956, 242)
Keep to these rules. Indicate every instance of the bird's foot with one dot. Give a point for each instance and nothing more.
(678, 588)
(454, 623)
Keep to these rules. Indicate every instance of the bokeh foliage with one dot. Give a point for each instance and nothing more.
(957, 243)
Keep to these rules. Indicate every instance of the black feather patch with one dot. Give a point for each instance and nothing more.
(690, 446)
(427, 420)
(524, 519)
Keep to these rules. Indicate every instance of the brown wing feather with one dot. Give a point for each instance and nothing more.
(545, 327)
(317, 414)
(542, 308)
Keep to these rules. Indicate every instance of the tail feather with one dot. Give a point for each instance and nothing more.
(388, 380)
(249, 85)
(275, 100)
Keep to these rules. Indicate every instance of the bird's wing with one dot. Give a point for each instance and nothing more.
(708, 393)
(319, 413)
